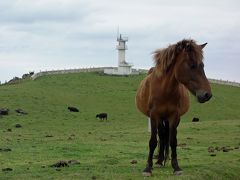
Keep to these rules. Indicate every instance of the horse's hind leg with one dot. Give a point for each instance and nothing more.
(152, 145)
(173, 144)
(162, 144)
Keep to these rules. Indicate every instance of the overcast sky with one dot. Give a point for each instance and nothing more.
(60, 34)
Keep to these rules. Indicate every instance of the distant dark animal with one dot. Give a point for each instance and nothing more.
(102, 116)
(195, 119)
(73, 109)
(4, 111)
(163, 96)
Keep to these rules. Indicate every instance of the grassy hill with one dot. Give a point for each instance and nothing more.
(51, 133)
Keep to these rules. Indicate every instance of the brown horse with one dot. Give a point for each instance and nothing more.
(163, 96)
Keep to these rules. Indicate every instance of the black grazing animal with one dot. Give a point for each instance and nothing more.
(73, 109)
(195, 119)
(102, 116)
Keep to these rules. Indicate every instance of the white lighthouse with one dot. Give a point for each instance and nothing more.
(123, 68)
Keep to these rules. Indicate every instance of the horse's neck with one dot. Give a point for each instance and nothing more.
(167, 83)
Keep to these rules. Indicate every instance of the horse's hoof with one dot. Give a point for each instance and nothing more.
(158, 165)
(178, 173)
(147, 172)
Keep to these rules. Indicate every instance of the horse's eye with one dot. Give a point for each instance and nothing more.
(192, 66)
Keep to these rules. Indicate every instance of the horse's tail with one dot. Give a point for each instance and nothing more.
(166, 140)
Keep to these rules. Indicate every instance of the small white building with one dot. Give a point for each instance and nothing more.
(123, 68)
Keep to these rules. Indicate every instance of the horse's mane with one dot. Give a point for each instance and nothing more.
(165, 57)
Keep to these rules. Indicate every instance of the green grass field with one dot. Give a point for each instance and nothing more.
(105, 150)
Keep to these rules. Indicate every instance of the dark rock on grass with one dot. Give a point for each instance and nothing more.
(182, 145)
(212, 155)
(18, 125)
(4, 111)
(237, 147)
(20, 111)
(134, 162)
(195, 119)
(60, 163)
(211, 149)
(225, 150)
(5, 149)
(63, 163)
(9, 130)
(7, 169)
(49, 136)
(73, 109)
(94, 177)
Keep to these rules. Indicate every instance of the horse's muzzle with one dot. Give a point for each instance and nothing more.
(203, 96)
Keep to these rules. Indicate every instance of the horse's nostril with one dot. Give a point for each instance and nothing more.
(207, 95)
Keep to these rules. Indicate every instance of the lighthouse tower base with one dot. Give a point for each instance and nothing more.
(120, 70)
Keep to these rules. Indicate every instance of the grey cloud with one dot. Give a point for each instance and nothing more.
(31, 13)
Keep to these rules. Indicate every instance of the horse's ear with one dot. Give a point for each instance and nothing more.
(203, 45)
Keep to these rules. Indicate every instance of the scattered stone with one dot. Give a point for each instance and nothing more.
(9, 130)
(18, 125)
(182, 145)
(43, 166)
(20, 111)
(189, 138)
(225, 150)
(237, 147)
(5, 149)
(195, 119)
(70, 138)
(212, 155)
(4, 111)
(60, 163)
(73, 162)
(73, 109)
(7, 169)
(89, 132)
(94, 177)
(49, 136)
(211, 149)
(134, 162)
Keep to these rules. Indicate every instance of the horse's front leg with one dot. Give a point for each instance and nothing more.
(152, 145)
(173, 144)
